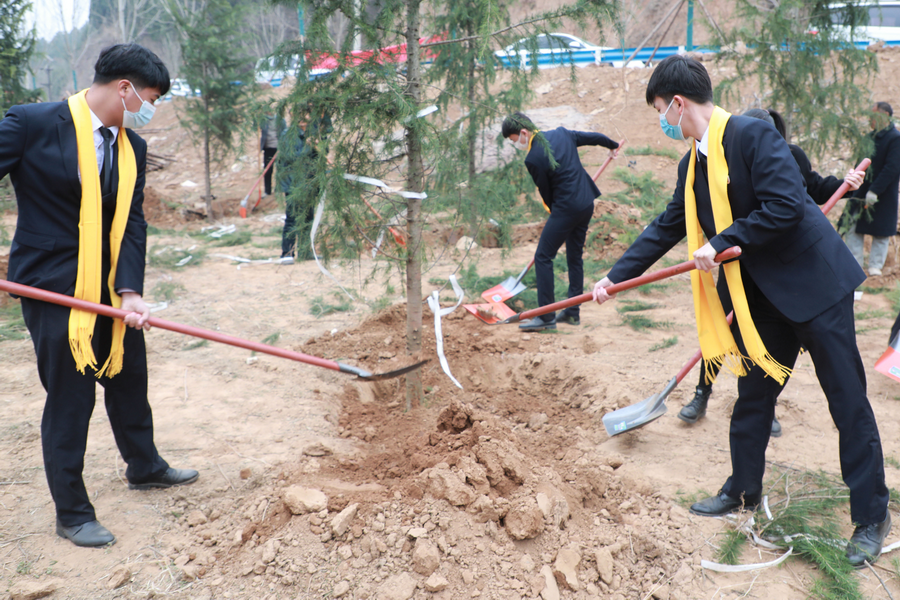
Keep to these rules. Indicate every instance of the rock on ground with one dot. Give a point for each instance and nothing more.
(301, 500)
(604, 564)
(120, 576)
(426, 558)
(436, 583)
(565, 569)
(32, 590)
(524, 519)
(551, 590)
(341, 522)
(398, 587)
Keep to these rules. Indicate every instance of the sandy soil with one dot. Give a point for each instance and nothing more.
(480, 493)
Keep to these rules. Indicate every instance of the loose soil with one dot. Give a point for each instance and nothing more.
(506, 488)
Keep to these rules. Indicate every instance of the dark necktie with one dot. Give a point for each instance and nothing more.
(107, 160)
(703, 164)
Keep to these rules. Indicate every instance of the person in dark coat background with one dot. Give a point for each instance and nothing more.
(568, 193)
(820, 189)
(875, 203)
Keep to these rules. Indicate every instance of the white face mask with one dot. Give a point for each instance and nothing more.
(522, 144)
(132, 120)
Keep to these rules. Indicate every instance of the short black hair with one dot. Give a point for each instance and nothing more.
(680, 75)
(515, 123)
(769, 116)
(132, 62)
(885, 108)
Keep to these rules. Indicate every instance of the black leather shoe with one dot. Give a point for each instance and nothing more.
(776, 428)
(170, 478)
(88, 535)
(568, 319)
(536, 324)
(866, 542)
(721, 504)
(696, 408)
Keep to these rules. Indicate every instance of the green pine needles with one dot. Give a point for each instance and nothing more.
(808, 509)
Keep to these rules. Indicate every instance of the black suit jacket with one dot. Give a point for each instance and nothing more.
(39, 151)
(789, 249)
(568, 189)
(883, 180)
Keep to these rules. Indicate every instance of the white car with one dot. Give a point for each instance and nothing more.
(268, 70)
(547, 50)
(883, 23)
(180, 87)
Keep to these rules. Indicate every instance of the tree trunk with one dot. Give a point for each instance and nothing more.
(415, 182)
(471, 136)
(209, 208)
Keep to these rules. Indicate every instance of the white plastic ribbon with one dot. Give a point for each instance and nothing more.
(378, 242)
(712, 566)
(435, 305)
(384, 186)
(312, 240)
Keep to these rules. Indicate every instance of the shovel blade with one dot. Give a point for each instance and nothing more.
(639, 414)
(391, 374)
(504, 290)
(491, 313)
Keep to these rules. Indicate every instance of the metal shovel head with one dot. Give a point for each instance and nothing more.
(504, 290)
(491, 313)
(638, 415)
(390, 374)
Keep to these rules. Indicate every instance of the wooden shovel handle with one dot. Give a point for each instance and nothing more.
(607, 161)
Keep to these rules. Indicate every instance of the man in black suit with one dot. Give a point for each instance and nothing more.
(797, 288)
(67, 160)
(568, 193)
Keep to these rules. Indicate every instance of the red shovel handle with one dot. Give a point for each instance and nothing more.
(607, 161)
(862, 166)
(690, 265)
(118, 313)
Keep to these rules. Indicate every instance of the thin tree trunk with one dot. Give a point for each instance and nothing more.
(471, 135)
(414, 182)
(209, 207)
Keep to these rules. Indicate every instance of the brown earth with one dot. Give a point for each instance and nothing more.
(507, 488)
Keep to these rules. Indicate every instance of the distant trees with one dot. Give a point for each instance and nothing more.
(16, 49)
(213, 61)
(379, 101)
(800, 62)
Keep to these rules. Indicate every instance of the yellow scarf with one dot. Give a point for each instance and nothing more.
(90, 245)
(716, 342)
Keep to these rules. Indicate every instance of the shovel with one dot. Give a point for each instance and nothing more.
(690, 265)
(637, 415)
(118, 313)
(507, 288)
(243, 209)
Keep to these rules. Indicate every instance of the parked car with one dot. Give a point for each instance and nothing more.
(547, 50)
(883, 20)
(272, 70)
(180, 87)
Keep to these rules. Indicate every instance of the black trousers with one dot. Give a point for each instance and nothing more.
(559, 229)
(292, 229)
(70, 403)
(268, 153)
(830, 339)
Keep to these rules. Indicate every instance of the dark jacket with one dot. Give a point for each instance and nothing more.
(39, 152)
(819, 188)
(790, 250)
(880, 219)
(568, 189)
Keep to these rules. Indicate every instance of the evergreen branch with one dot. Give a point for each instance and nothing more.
(491, 34)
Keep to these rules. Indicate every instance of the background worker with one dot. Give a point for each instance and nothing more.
(820, 189)
(568, 193)
(297, 163)
(874, 207)
(793, 285)
(270, 132)
(78, 171)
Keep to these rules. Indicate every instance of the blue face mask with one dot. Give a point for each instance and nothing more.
(672, 131)
(132, 120)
